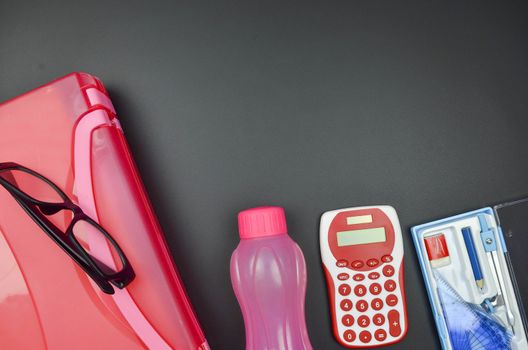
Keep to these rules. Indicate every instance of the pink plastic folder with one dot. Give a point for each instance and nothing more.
(68, 131)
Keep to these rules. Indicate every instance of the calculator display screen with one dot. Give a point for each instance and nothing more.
(357, 237)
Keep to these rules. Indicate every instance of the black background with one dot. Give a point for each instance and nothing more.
(309, 105)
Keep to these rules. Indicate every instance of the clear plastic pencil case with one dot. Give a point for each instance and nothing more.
(468, 263)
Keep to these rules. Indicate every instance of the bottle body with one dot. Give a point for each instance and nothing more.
(269, 278)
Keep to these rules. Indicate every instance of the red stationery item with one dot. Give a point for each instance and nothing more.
(437, 250)
(68, 131)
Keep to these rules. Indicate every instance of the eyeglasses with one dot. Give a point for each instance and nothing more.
(41, 199)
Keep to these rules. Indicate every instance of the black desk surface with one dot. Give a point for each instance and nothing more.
(308, 105)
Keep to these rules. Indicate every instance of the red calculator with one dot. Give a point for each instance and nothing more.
(362, 253)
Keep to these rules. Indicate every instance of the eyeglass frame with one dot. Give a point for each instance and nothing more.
(39, 210)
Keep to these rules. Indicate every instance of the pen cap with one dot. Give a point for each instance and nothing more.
(261, 222)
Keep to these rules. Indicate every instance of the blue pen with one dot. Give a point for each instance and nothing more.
(473, 257)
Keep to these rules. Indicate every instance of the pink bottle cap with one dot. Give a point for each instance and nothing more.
(261, 222)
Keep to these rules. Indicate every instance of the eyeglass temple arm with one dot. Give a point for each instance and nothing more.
(55, 234)
(28, 204)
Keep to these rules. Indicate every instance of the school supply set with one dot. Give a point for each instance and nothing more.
(83, 261)
(470, 277)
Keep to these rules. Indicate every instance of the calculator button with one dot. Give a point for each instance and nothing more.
(346, 304)
(378, 319)
(386, 258)
(342, 263)
(360, 290)
(347, 320)
(388, 271)
(390, 285)
(357, 264)
(344, 290)
(394, 323)
(363, 321)
(365, 336)
(373, 275)
(349, 336)
(375, 288)
(372, 262)
(380, 335)
(377, 304)
(391, 300)
(343, 276)
(362, 306)
(358, 277)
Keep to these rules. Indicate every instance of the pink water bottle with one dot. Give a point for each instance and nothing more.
(268, 273)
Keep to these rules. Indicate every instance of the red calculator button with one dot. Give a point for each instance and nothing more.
(394, 323)
(375, 288)
(357, 264)
(372, 262)
(347, 320)
(362, 306)
(377, 304)
(388, 271)
(346, 304)
(386, 258)
(380, 335)
(365, 336)
(378, 319)
(373, 275)
(390, 285)
(363, 321)
(342, 263)
(360, 290)
(349, 336)
(344, 290)
(392, 300)
(343, 276)
(358, 277)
